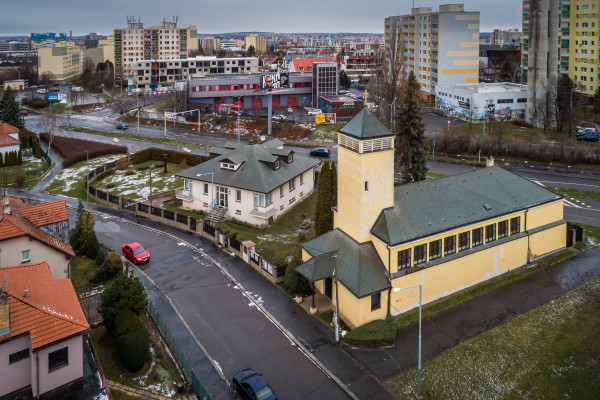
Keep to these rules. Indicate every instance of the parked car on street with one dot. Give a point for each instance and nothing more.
(588, 136)
(320, 152)
(77, 89)
(136, 252)
(24, 112)
(122, 126)
(279, 117)
(290, 110)
(41, 91)
(314, 111)
(251, 386)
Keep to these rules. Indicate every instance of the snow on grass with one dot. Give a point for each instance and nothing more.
(70, 178)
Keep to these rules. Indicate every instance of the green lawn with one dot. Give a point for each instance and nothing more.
(434, 175)
(70, 181)
(107, 98)
(32, 171)
(281, 239)
(83, 271)
(134, 182)
(592, 237)
(57, 108)
(161, 106)
(551, 352)
(325, 133)
(159, 376)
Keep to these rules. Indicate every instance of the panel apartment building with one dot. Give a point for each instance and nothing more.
(440, 47)
(578, 23)
(164, 42)
(160, 74)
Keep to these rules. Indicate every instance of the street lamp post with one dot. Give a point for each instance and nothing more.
(337, 302)
(238, 120)
(392, 114)
(87, 175)
(420, 285)
(212, 193)
(137, 105)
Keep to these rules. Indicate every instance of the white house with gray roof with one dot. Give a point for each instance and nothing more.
(255, 184)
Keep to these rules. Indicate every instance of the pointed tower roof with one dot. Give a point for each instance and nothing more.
(365, 125)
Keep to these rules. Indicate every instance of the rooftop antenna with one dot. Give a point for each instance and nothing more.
(4, 285)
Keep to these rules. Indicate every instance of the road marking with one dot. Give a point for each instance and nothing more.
(115, 140)
(575, 184)
(568, 203)
(539, 183)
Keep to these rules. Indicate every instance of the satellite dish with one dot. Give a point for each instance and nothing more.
(262, 138)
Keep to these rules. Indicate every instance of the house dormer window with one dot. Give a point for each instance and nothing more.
(277, 164)
(226, 165)
(290, 158)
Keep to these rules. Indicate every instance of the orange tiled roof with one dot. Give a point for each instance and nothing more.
(307, 63)
(5, 139)
(14, 225)
(44, 214)
(5, 129)
(51, 311)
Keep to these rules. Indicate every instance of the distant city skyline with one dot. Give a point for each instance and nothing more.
(310, 16)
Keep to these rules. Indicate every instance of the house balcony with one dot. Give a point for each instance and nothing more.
(184, 194)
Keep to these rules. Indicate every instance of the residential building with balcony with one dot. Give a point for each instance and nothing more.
(158, 74)
(209, 44)
(164, 42)
(64, 60)
(258, 42)
(256, 184)
(440, 47)
(362, 63)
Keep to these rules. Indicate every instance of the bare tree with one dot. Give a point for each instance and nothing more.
(543, 113)
(46, 78)
(51, 123)
(392, 61)
(123, 103)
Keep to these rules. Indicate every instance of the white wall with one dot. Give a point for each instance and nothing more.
(10, 254)
(17, 375)
(50, 380)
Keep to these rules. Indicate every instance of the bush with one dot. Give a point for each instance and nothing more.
(20, 180)
(100, 257)
(126, 322)
(521, 123)
(293, 280)
(173, 156)
(39, 102)
(374, 334)
(113, 263)
(134, 348)
(73, 150)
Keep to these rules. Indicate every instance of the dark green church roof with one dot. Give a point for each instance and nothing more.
(429, 207)
(365, 125)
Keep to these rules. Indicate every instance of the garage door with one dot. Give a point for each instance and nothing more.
(256, 101)
(292, 100)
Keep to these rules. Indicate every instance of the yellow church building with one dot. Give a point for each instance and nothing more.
(446, 234)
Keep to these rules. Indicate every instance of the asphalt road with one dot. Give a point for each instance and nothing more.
(234, 332)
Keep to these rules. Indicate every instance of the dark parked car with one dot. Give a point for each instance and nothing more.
(251, 386)
(320, 152)
(588, 136)
(136, 252)
(123, 126)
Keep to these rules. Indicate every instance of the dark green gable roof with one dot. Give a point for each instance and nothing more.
(365, 125)
(255, 172)
(360, 269)
(433, 206)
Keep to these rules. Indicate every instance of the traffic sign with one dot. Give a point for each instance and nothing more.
(55, 96)
(170, 116)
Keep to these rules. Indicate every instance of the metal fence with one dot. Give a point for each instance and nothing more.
(197, 387)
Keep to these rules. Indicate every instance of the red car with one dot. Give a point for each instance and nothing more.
(136, 252)
(24, 112)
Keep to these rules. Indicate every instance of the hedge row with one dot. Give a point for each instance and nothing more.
(173, 156)
(374, 334)
(73, 150)
(11, 158)
(30, 140)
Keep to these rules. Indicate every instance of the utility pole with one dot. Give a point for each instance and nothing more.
(87, 174)
(137, 105)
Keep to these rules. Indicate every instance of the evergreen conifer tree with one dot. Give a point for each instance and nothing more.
(88, 242)
(410, 135)
(9, 109)
(596, 101)
(326, 198)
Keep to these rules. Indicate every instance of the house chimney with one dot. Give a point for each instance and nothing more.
(6, 203)
(489, 162)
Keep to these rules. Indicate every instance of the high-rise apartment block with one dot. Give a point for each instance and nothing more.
(64, 60)
(325, 80)
(259, 43)
(440, 47)
(577, 38)
(164, 42)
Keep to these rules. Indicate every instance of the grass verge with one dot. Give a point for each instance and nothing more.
(107, 98)
(177, 209)
(128, 136)
(325, 133)
(33, 171)
(374, 334)
(434, 175)
(281, 239)
(584, 194)
(550, 352)
(484, 288)
(592, 237)
(83, 271)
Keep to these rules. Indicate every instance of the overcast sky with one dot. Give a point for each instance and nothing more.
(218, 16)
